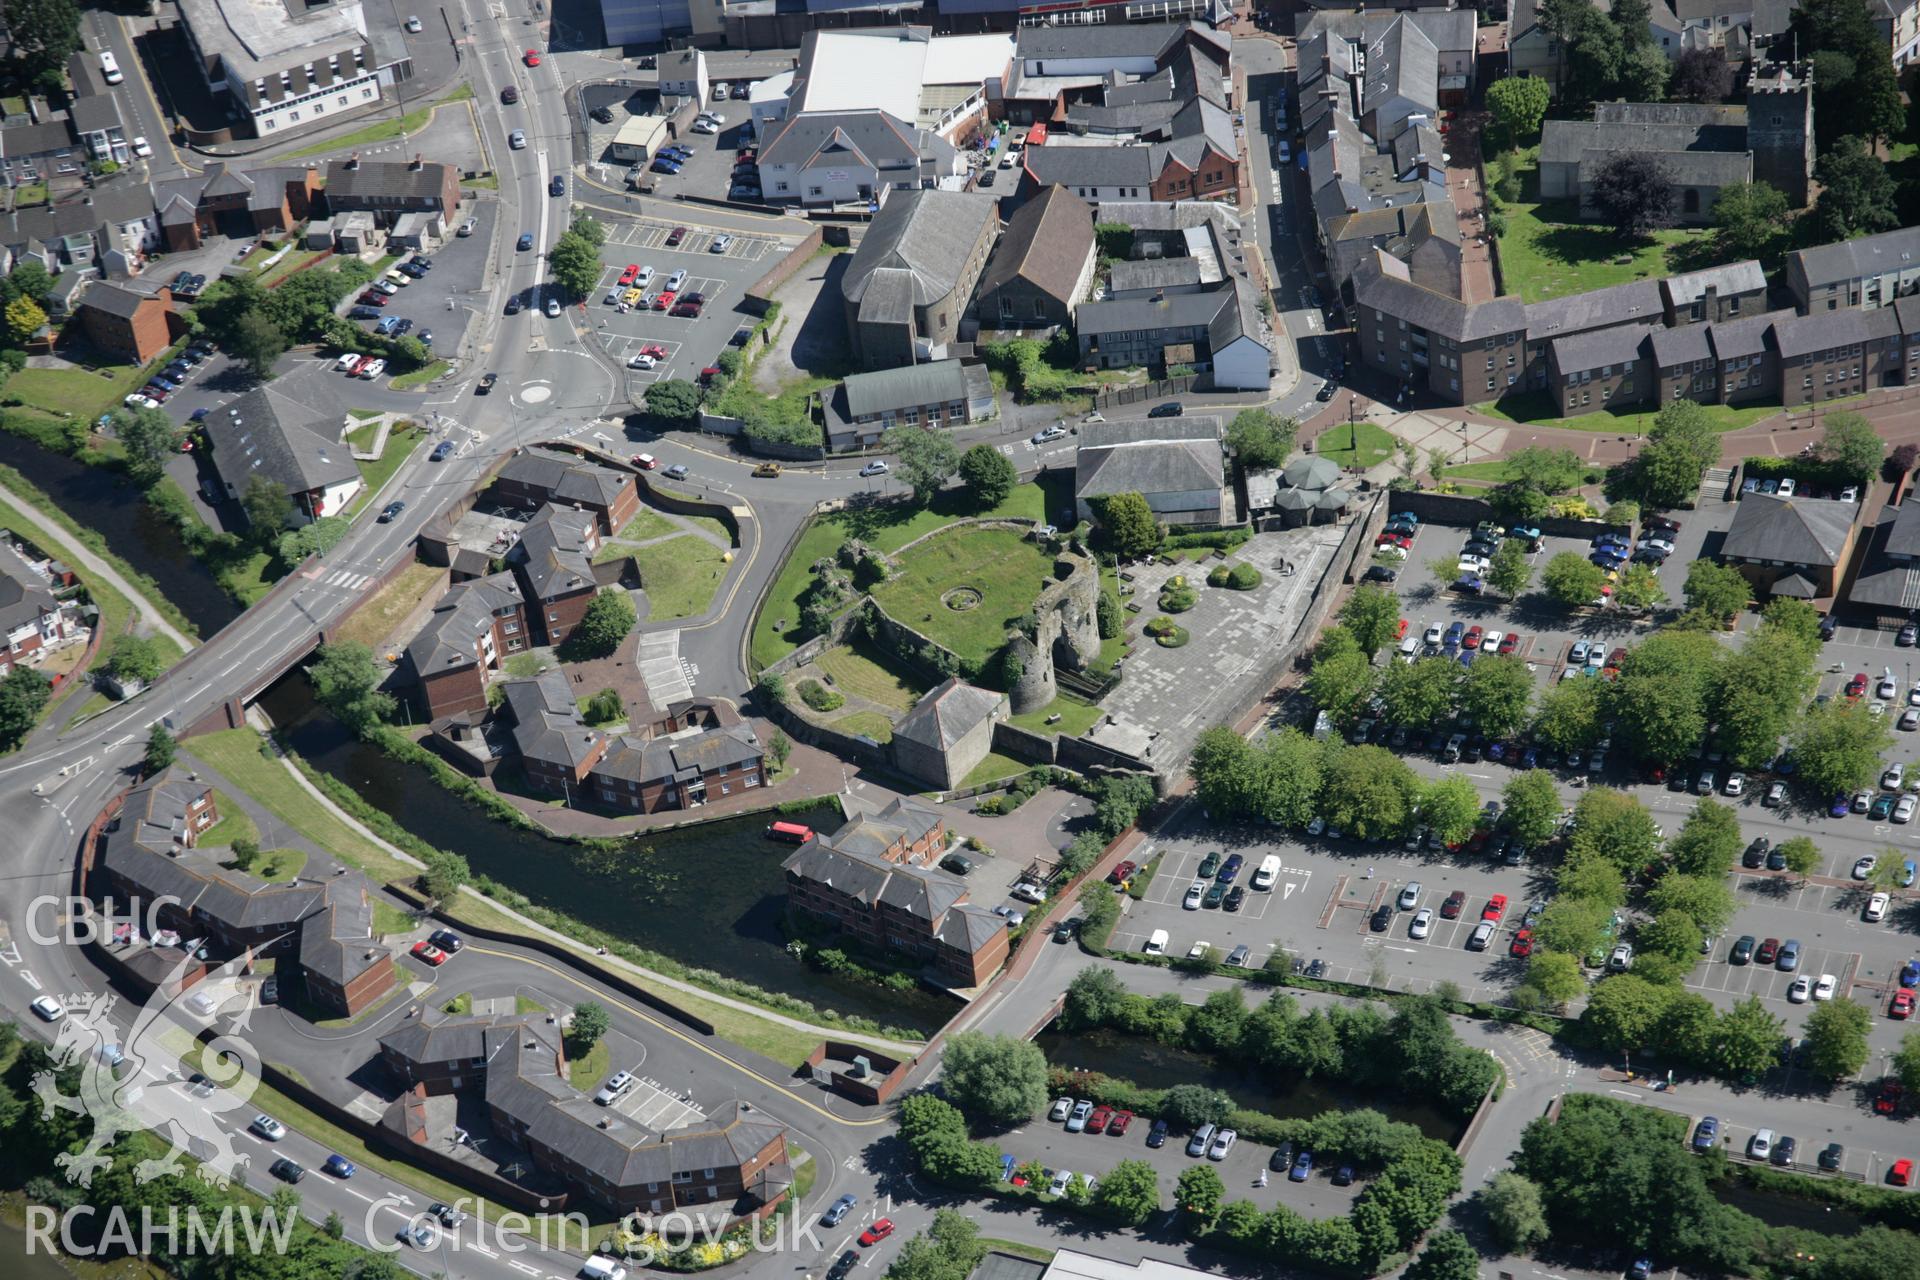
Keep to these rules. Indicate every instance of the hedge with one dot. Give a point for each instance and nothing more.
(1220, 539)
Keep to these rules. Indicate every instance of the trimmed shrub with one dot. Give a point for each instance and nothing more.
(819, 697)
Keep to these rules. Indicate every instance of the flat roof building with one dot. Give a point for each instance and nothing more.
(283, 66)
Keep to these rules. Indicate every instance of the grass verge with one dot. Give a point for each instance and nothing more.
(587, 1071)
(680, 576)
(1076, 717)
(863, 670)
(1356, 444)
(389, 605)
(992, 769)
(869, 723)
(420, 377)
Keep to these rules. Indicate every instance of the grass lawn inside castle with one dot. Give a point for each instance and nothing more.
(962, 588)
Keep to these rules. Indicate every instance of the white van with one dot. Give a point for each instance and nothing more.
(1157, 944)
(603, 1268)
(110, 69)
(1268, 872)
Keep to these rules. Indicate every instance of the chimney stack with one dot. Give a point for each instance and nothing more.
(353, 161)
(416, 161)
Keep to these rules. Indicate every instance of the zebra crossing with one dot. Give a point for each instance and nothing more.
(346, 580)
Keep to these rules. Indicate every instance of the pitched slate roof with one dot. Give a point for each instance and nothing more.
(935, 382)
(926, 234)
(1889, 251)
(1566, 141)
(1798, 335)
(1746, 336)
(115, 300)
(555, 551)
(1401, 63)
(1598, 347)
(1634, 302)
(349, 181)
(1681, 345)
(24, 593)
(1152, 273)
(567, 478)
(546, 723)
(871, 880)
(1149, 456)
(264, 433)
(1735, 277)
(947, 714)
(1806, 531)
(1066, 165)
(1046, 243)
(464, 614)
(1384, 283)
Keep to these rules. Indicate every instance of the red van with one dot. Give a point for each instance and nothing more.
(791, 832)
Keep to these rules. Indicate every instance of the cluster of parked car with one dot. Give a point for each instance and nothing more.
(671, 159)
(177, 373)
(356, 365)
(1612, 551)
(1082, 1115)
(187, 284)
(1216, 887)
(746, 176)
(1789, 487)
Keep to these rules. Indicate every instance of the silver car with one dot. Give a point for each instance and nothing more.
(1078, 1120)
(618, 1083)
(1410, 896)
(1422, 923)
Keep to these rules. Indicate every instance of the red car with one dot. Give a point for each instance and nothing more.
(1097, 1122)
(1118, 1125)
(1450, 909)
(1902, 1005)
(653, 349)
(1400, 632)
(1120, 873)
(675, 236)
(1857, 685)
(428, 954)
(374, 298)
(1495, 908)
(631, 274)
(1768, 952)
(1471, 640)
(1887, 1101)
(1394, 540)
(708, 374)
(880, 1230)
(1901, 1174)
(532, 57)
(664, 299)
(1522, 944)
(686, 310)
(1617, 657)
(1510, 642)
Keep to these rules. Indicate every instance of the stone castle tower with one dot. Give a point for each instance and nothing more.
(1780, 129)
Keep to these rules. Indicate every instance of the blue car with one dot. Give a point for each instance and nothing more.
(841, 1207)
(1006, 1168)
(1529, 757)
(1907, 870)
(1157, 1135)
(1619, 539)
(1704, 1136)
(1231, 868)
(198, 415)
(1910, 974)
(1840, 807)
(441, 452)
(162, 380)
(526, 241)
(339, 1166)
(1302, 1166)
(664, 165)
(1454, 633)
(1642, 1269)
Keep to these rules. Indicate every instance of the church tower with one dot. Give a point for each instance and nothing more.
(1780, 129)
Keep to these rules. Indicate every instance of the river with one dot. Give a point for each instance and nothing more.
(1157, 1066)
(710, 896)
(99, 499)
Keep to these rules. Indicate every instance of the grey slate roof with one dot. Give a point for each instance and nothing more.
(1149, 456)
(936, 382)
(546, 723)
(1687, 113)
(1448, 29)
(1152, 273)
(874, 138)
(24, 594)
(1595, 348)
(1402, 63)
(264, 433)
(1798, 335)
(1746, 336)
(94, 112)
(1904, 537)
(1174, 311)
(1381, 282)
(1805, 531)
(927, 234)
(1117, 40)
(1689, 168)
(1682, 344)
(1852, 259)
(1090, 166)
(23, 140)
(1735, 277)
(349, 181)
(464, 614)
(555, 551)
(1566, 141)
(947, 714)
(115, 300)
(1634, 302)
(1046, 243)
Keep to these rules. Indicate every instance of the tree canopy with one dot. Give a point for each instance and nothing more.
(927, 458)
(988, 475)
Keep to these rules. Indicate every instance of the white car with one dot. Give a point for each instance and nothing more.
(1889, 688)
(374, 370)
(1760, 1146)
(1062, 1179)
(47, 1009)
(1195, 892)
(705, 126)
(1422, 923)
(1028, 891)
(1286, 151)
(1903, 812)
(142, 148)
(1222, 1143)
(1390, 552)
(713, 117)
(346, 362)
(1735, 785)
(1482, 935)
(1864, 867)
(553, 308)
(1432, 637)
(1786, 487)
(1051, 433)
(1198, 951)
(269, 1128)
(413, 25)
(642, 361)
(1824, 989)
(1490, 642)
(1062, 1108)
(1802, 988)
(1410, 896)
(874, 468)
(1622, 958)
(1894, 778)
(138, 401)
(677, 279)
(617, 1083)
(1877, 907)
(720, 244)
(468, 227)
(517, 140)
(1474, 564)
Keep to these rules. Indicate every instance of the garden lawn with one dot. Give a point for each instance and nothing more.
(1548, 252)
(1359, 444)
(277, 864)
(586, 1072)
(1007, 570)
(1536, 409)
(1499, 472)
(992, 769)
(645, 525)
(1076, 716)
(80, 393)
(400, 446)
(680, 576)
(870, 723)
(234, 824)
(864, 671)
(295, 260)
(420, 377)
(389, 605)
(776, 631)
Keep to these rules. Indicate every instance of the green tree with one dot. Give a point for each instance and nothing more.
(1852, 446)
(1514, 1212)
(346, 680)
(1129, 1193)
(674, 399)
(1445, 569)
(1747, 1039)
(1419, 693)
(244, 852)
(24, 319)
(927, 458)
(1836, 1036)
(1634, 192)
(1495, 692)
(45, 33)
(1341, 677)
(1532, 807)
(1792, 619)
(1261, 440)
(315, 538)
(1906, 1063)
(1625, 1010)
(1371, 615)
(1671, 933)
(1570, 714)
(1095, 998)
(988, 475)
(1681, 445)
(135, 658)
(587, 1027)
(1556, 976)
(1519, 104)
(1000, 1080)
(160, 749)
(1705, 898)
(1368, 792)
(1719, 590)
(1451, 807)
(1188, 1106)
(1572, 580)
(1708, 841)
(575, 263)
(1801, 855)
(1837, 746)
(1198, 1193)
(1593, 878)
(269, 509)
(1129, 523)
(1512, 569)
(605, 707)
(1615, 826)
(607, 621)
(148, 438)
(444, 875)
(1639, 588)
(257, 342)
(1448, 1255)
(1857, 193)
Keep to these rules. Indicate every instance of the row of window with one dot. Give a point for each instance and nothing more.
(315, 105)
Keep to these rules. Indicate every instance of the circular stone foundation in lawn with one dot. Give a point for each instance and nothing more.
(960, 587)
(961, 599)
